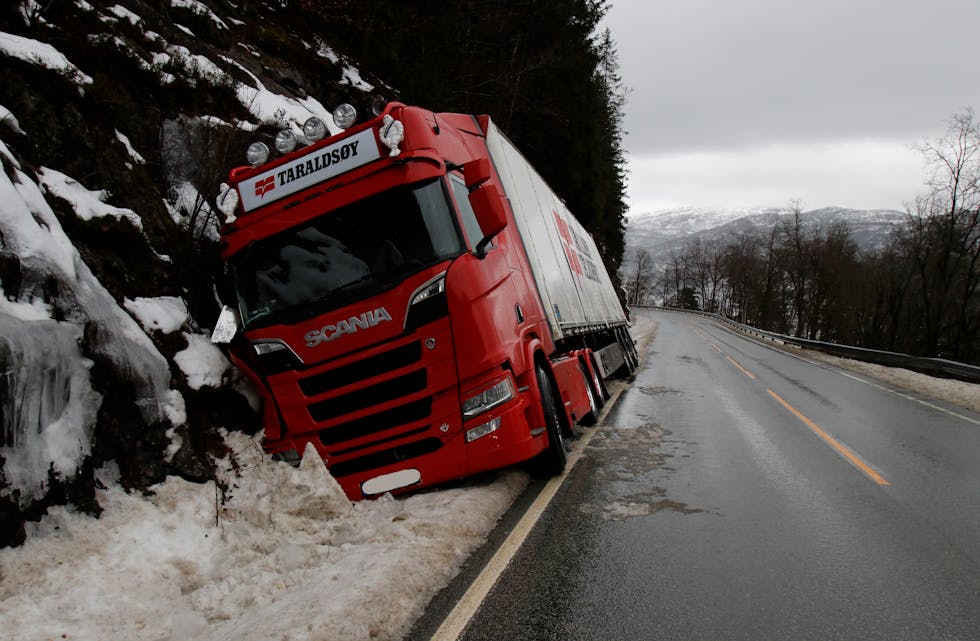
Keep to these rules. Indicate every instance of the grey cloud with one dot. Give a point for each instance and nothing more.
(732, 74)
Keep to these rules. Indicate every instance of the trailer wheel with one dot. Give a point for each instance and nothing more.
(595, 402)
(551, 461)
(629, 351)
(600, 384)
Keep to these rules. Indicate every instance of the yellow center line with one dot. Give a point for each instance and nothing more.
(743, 370)
(715, 347)
(832, 442)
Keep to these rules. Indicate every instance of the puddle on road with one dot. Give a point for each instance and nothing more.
(627, 463)
(620, 510)
(653, 391)
(648, 436)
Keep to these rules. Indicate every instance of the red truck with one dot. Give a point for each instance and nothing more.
(416, 302)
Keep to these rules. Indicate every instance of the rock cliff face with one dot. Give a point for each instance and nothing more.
(118, 121)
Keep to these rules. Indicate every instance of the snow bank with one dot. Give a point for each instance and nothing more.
(285, 557)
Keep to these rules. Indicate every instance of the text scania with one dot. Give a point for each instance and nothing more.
(329, 332)
(317, 163)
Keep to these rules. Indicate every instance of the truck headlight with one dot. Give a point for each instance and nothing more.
(285, 141)
(344, 116)
(263, 347)
(489, 398)
(314, 129)
(257, 153)
(432, 288)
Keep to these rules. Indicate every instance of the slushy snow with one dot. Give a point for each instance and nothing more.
(284, 556)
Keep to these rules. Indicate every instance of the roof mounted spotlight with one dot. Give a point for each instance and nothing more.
(314, 129)
(344, 116)
(257, 153)
(285, 141)
(378, 105)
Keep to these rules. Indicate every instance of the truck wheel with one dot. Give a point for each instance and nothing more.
(600, 384)
(595, 403)
(629, 351)
(551, 461)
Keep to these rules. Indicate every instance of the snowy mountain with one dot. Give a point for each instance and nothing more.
(662, 232)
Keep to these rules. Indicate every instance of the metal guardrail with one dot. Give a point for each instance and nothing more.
(933, 366)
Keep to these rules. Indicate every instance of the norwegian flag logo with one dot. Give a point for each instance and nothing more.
(264, 186)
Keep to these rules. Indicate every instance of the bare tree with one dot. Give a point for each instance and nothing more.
(943, 240)
(638, 279)
(796, 262)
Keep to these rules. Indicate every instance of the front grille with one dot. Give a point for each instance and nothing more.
(380, 402)
(386, 457)
(382, 441)
(362, 370)
(368, 397)
(401, 415)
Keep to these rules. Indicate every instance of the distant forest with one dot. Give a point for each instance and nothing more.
(917, 295)
(541, 69)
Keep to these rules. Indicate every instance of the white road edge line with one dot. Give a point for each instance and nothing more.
(455, 622)
(837, 370)
(896, 393)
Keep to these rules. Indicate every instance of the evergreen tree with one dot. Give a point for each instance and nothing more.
(537, 67)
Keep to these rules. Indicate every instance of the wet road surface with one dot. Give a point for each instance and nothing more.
(738, 492)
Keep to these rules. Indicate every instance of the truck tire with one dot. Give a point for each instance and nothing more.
(551, 461)
(595, 401)
(629, 351)
(600, 384)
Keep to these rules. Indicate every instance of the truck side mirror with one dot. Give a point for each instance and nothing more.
(488, 205)
(476, 172)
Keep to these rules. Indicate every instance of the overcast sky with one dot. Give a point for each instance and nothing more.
(744, 103)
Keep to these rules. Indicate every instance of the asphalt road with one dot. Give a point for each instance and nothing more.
(738, 492)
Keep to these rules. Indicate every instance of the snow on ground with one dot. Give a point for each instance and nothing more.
(284, 556)
(164, 313)
(125, 14)
(350, 75)
(41, 53)
(188, 207)
(8, 118)
(135, 155)
(87, 204)
(200, 9)
(202, 362)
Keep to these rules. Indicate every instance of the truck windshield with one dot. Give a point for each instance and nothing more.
(345, 255)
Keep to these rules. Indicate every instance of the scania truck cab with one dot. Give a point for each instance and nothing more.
(415, 303)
